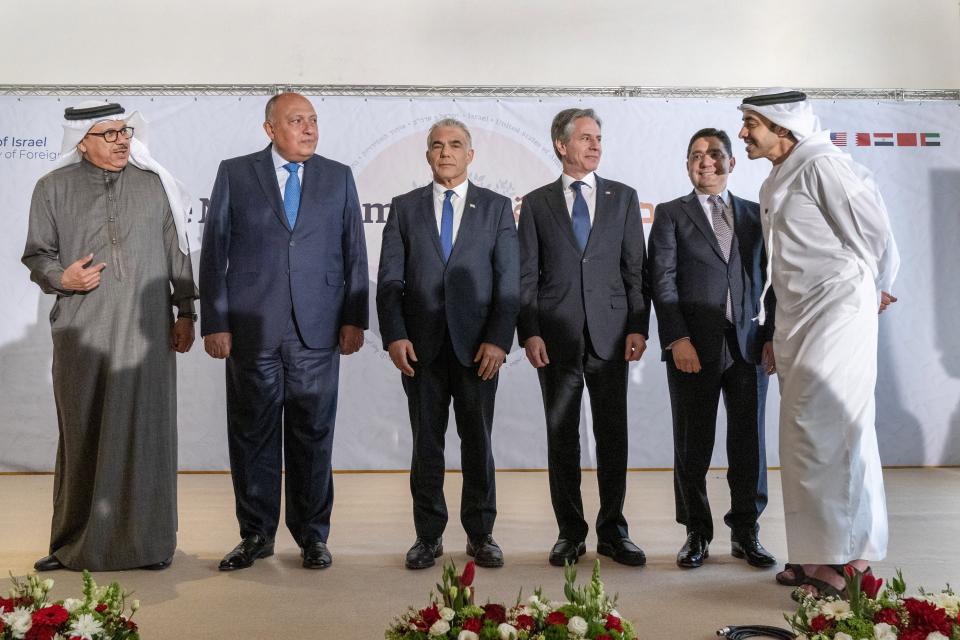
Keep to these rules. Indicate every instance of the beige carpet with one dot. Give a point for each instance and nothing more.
(372, 528)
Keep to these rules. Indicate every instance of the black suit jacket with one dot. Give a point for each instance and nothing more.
(562, 288)
(689, 278)
(255, 270)
(474, 296)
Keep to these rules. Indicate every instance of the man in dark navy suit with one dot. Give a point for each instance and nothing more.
(583, 319)
(447, 300)
(707, 267)
(283, 275)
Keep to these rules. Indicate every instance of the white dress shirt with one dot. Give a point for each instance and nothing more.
(589, 191)
(457, 200)
(282, 174)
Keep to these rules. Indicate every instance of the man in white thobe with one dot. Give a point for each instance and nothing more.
(832, 261)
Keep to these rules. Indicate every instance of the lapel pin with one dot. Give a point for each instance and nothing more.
(607, 192)
(473, 206)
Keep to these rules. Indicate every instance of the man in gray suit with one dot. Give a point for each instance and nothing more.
(707, 267)
(447, 300)
(583, 318)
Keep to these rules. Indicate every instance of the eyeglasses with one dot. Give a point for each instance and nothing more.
(111, 135)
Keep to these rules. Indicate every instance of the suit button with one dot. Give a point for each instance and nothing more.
(292, 243)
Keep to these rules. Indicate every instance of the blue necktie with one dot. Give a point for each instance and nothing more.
(581, 216)
(291, 193)
(446, 225)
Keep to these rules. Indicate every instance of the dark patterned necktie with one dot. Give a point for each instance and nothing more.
(580, 215)
(446, 224)
(724, 238)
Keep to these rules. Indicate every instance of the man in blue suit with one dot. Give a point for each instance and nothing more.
(447, 301)
(283, 275)
(707, 267)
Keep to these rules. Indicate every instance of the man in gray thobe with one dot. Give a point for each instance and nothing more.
(107, 237)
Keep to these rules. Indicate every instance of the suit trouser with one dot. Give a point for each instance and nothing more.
(281, 409)
(694, 399)
(428, 398)
(561, 383)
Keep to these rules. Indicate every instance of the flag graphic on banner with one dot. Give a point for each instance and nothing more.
(839, 138)
(929, 139)
(906, 139)
(883, 139)
(863, 139)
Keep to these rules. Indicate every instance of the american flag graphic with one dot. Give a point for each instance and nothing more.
(839, 138)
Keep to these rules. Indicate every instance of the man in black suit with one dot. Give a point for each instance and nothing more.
(583, 318)
(447, 301)
(707, 267)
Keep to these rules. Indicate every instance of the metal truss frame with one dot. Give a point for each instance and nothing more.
(475, 91)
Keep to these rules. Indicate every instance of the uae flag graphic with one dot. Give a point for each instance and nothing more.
(883, 139)
(839, 138)
(863, 140)
(929, 139)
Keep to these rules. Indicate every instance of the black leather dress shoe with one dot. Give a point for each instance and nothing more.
(485, 552)
(694, 551)
(48, 563)
(158, 566)
(316, 556)
(622, 551)
(566, 551)
(243, 555)
(421, 555)
(748, 547)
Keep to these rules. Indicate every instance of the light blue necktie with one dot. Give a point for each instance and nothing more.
(446, 225)
(291, 193)
(581, 216)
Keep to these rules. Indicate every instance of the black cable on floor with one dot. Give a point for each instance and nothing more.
(741, 632)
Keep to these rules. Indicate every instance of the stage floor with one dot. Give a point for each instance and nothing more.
(372, 529)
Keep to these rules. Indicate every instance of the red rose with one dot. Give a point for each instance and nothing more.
(888, 615)
(430, 615)
(466, 578)
(40, 632)
(473, 624)
(100, 608)
(557, 617)
(870, 585)
(525, 623)
(820, 623)
(6, 605)
(131, 625)
(913, 634)
(51, 616)
(614, 623)
(496, 613)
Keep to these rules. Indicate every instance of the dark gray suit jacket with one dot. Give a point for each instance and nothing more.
(561, 288)
(689, 278)
(474, 296)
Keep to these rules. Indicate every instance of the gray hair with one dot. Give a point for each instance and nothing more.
(450, 122)
(562, 127)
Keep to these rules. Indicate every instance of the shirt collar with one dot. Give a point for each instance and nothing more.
(461, 190)
(724, 195)
(278, 160)
(590, 180)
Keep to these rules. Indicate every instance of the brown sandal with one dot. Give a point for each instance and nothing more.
(796, 580)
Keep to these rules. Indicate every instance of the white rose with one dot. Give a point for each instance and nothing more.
(936, 635)
(454, 591)
(842, 636)
(72, 604)
(47, 584)
(468, 635)
(134, 606)
(507, 632)
(440, 628)
(577, 626)
(883, 631)
(447, 614)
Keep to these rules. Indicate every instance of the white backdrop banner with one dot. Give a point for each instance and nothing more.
(911, 147)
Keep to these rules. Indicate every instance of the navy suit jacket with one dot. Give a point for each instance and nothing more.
(255, 270)
(561, 288)
(474, 296)
(689, 278)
